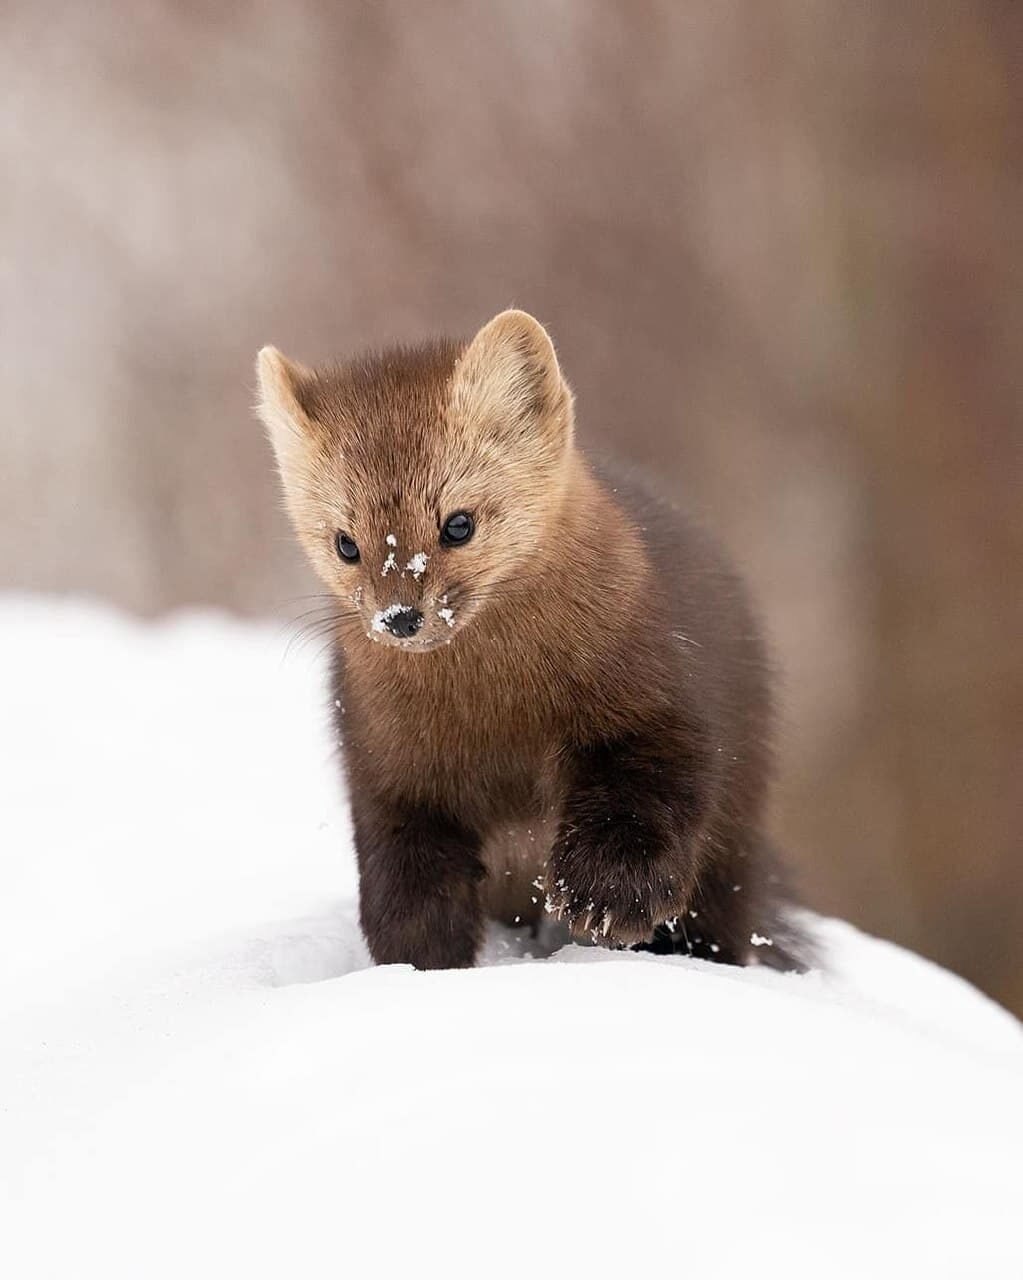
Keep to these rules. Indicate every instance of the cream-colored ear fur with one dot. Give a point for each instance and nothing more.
(508, 382)
(286, 422)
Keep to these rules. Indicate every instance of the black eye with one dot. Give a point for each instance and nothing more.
(457, 529)
(346, 548)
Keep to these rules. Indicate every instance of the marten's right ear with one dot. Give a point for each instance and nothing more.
(280, 408)
(508, 383)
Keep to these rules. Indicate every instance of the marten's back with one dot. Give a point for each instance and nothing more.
(705, 621)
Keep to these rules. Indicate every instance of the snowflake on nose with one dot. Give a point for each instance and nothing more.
(390, 563)
(417, 565)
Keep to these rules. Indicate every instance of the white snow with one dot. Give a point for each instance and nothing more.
(417, 564)
(383, 616)
(448, 615)
(200, 1074)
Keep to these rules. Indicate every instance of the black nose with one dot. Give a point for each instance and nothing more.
(404, 623)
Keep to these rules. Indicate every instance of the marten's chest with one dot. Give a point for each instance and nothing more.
(484, 743)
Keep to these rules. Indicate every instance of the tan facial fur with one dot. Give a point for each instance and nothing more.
(385, 451)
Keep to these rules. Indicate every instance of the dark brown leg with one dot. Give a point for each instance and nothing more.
(624, 860)
(420, 899)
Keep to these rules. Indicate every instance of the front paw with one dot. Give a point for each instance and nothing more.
(613, 889)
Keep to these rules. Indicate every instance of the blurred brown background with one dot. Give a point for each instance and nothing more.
(778, 244)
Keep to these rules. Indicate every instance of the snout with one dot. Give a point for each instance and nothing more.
(416, 628)
(401, 621)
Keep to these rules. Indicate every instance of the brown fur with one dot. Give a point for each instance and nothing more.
(588, 674)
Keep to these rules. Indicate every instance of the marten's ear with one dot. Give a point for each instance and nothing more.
(507, 381)
(280, 408)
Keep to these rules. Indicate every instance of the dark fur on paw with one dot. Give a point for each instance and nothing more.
(614, 890)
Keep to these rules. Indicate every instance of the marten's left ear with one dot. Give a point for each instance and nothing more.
(507, 381)
(280, 408)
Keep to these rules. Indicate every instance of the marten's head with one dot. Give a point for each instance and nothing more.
(424, 482)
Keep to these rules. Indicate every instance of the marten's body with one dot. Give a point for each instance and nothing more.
(571, 690)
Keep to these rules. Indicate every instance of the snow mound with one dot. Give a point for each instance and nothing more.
(202, 1075)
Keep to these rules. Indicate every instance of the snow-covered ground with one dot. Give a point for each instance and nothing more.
(202, 1076)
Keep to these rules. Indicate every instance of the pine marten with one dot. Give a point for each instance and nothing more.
(551, 692)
